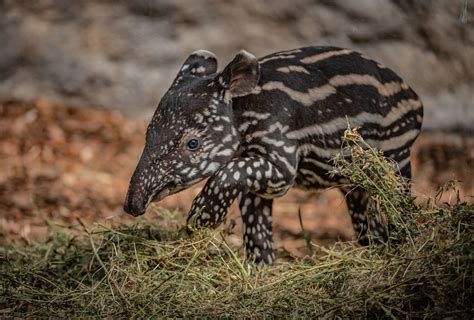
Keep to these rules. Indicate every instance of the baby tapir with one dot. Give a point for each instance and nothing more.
(262, 126)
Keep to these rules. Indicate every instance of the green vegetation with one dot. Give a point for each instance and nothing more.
(149, 270)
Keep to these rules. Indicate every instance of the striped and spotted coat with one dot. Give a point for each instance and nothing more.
(261, 127)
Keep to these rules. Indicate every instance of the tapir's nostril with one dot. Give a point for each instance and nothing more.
(133, 207)
(133, 210)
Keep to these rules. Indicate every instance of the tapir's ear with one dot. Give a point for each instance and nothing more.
(200, 63)
(241, 75)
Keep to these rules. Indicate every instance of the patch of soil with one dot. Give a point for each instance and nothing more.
(58, 164)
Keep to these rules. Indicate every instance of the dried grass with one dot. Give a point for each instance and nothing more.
(148, 270)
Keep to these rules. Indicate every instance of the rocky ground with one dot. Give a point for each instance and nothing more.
(60, 163)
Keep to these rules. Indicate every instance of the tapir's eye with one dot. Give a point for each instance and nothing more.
(193, 144)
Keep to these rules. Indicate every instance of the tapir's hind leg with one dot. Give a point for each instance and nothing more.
(403, 158)
(358, 201)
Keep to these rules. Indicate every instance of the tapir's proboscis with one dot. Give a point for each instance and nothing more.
(262, 126)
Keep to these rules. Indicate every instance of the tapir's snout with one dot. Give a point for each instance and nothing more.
(134, 204)
(149, 183)
(140, 189)
(137, 202)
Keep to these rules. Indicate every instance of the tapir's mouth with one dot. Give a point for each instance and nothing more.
(169, 190)
(160, 195)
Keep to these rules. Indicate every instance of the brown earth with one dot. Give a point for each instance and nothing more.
(58, 164)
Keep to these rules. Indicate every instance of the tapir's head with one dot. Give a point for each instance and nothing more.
(192, 133)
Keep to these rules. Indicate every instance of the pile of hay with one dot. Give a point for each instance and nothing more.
(149, 270)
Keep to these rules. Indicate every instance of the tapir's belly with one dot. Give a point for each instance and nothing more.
(314, 173)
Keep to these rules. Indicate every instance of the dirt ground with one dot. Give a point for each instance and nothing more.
(58, 164)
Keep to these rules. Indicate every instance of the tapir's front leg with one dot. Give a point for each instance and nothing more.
(240, 176)
(257, 227)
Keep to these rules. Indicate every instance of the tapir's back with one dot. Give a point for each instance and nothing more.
(317, 91)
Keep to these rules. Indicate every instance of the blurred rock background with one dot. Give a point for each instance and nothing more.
(123, 55)
(62, 159)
